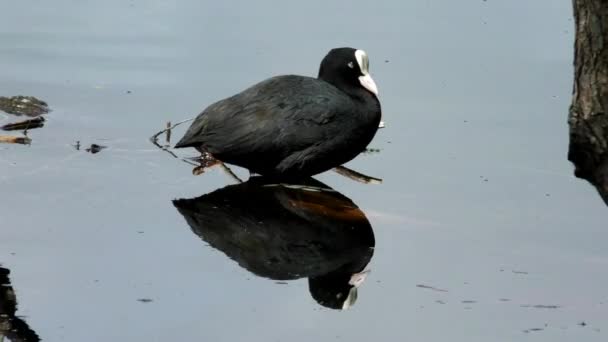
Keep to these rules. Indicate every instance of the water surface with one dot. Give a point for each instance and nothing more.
(481, 231)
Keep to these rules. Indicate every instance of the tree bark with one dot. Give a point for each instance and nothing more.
(588, 118)
(11, 326)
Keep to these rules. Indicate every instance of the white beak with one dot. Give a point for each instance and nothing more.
(368, 83)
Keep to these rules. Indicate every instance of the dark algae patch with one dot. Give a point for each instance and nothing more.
(23, 105)
(94, 148)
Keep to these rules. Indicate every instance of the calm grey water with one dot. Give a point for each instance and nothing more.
(478, 198)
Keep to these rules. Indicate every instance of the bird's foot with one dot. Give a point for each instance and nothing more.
(206, 161)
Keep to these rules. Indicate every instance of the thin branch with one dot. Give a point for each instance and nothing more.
(154, 138)
(155, 142)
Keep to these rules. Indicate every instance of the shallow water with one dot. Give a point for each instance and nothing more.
(481, 231)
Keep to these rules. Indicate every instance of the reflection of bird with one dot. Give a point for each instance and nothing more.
(283, 233)
(294, 126)
(11, 326)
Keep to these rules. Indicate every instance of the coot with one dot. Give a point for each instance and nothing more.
(291, 125)
(287, 232)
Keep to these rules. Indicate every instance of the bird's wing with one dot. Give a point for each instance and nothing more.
(276, 117)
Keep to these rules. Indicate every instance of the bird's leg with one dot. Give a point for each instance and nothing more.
(356, 176)
(230, 173)
(206, 161)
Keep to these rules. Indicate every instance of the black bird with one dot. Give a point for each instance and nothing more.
(286, 232)
(294, 126)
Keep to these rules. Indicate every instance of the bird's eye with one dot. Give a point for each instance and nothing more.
(351, 65)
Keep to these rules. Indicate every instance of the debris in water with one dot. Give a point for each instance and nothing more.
(23, 105)
(541, 306)
(430, 288)
(468, 302)
(95, 148)
(10, 139)
(281, 282)
(25, 125)
(145, 300)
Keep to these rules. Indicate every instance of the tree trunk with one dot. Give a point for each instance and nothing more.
(12, 327)
(589, 109)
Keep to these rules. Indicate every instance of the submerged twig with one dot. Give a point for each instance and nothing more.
(25, 125)
(356, 176)
(165, 148)
(10, 139)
